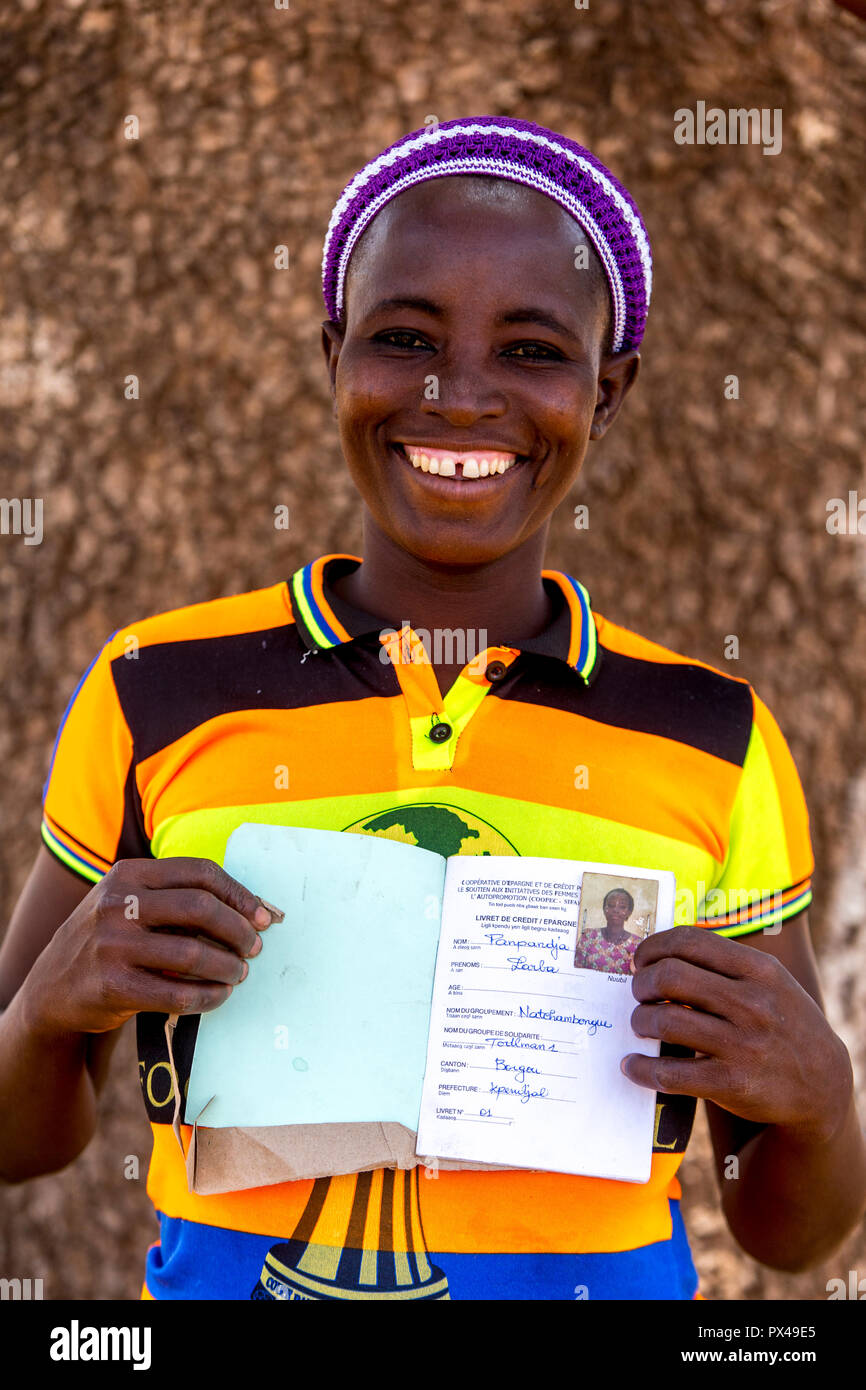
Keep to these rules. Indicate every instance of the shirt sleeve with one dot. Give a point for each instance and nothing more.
(91, 814)
(766, 875)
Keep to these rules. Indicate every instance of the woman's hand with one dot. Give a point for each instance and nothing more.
(154, 935)
(768, 1053)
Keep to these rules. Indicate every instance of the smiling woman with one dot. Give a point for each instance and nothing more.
(474, 321)
(487, 284)
(528, 359)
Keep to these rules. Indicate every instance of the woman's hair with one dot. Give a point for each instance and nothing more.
(625, 893)
(522, 152)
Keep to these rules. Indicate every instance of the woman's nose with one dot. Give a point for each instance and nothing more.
(462, 392)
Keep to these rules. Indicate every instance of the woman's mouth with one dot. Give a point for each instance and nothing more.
(471, 471)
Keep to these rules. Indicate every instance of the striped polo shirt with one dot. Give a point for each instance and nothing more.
(288, 706)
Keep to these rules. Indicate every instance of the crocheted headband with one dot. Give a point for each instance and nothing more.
(524, 153)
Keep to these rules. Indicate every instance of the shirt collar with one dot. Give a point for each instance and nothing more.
(326, 620)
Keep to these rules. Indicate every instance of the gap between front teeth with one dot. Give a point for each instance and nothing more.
(473, 467)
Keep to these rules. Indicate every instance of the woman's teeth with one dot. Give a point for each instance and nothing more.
(444, 462)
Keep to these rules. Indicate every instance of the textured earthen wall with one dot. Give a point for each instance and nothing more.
(155, 257)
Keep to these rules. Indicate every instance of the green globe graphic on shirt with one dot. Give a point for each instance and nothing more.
(444, 829)
(360, 1234)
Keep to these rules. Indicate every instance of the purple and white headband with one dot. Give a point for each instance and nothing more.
(525, 153)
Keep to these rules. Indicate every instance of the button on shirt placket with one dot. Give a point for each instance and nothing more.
(436, 722)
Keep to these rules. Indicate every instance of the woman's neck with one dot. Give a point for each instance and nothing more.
(615, 934)
(505, 599)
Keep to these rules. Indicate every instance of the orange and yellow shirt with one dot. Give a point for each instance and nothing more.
(585, 742)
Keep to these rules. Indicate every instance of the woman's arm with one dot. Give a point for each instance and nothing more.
(777, 1079)
(71, 1068)
(772, 1207)
(70, 982)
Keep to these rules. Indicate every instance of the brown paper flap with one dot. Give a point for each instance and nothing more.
(229, 1160)
(232, 1159)
(235, 1158)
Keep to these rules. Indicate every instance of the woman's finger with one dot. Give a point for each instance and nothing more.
(189, 956)
(673, 1023)
(680, 980)
(197, 910)
(700, 1076)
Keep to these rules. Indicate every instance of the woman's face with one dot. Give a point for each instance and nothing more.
(470, 327)
(617, 910)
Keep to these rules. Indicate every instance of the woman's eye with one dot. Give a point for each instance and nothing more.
(406, 334)
(533, 349)
(406, 338)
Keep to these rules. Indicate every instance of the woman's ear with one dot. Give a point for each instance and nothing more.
(617, 374)
(332, 342)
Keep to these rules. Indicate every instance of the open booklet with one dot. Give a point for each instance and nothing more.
(479, 1006)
